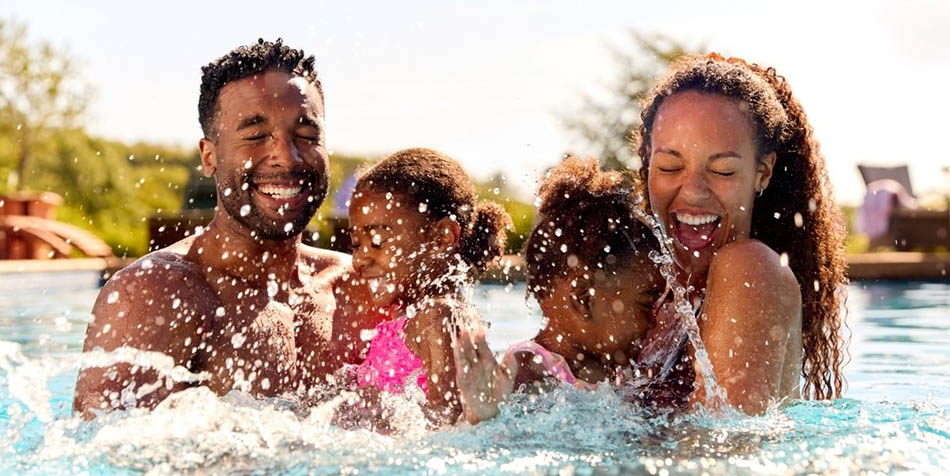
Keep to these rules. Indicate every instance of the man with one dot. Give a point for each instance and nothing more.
(243, 305)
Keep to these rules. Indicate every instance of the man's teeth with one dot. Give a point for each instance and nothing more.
(696, 220)
(279, 191)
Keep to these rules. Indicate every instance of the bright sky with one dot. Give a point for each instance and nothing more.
(485, 82)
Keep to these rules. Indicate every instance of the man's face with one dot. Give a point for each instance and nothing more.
(268, 154)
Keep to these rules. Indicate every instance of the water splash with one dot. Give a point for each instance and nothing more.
(716, 399)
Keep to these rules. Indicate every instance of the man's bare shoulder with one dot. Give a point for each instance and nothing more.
(144, 299)
(159, 268)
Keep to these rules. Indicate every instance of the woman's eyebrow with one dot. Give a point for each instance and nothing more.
(668, 151)
(725, 155)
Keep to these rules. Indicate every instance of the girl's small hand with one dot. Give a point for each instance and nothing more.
(482, 381)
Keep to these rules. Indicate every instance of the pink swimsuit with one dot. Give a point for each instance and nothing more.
(389, 362)
(554, 364)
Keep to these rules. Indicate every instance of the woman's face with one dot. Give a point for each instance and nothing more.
(703, 175)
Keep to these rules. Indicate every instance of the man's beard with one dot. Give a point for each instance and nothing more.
(262, 226)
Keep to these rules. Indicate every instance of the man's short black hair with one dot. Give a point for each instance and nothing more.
(245, 61)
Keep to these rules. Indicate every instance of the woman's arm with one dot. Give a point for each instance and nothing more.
(752, 312)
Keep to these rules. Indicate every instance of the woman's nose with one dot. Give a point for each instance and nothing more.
(695, 189)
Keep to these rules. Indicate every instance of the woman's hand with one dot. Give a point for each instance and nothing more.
(482, 381)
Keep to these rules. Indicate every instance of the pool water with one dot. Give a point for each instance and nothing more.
(895, 418)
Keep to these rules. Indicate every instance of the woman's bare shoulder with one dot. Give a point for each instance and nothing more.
(749, 275)
(751, 259)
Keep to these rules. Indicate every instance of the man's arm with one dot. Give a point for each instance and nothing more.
(153, 305)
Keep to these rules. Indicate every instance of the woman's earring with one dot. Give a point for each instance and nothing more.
(760, 191)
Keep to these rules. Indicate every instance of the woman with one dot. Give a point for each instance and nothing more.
(736, 179)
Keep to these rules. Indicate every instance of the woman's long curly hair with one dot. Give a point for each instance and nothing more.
(795, 215)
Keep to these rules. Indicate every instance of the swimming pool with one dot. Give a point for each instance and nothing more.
(895, 417)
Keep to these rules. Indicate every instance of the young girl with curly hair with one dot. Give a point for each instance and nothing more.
(418, 234)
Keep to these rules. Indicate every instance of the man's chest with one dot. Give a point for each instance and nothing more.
(257, 340)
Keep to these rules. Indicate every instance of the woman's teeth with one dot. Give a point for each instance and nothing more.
(279, 191)
(696, 220)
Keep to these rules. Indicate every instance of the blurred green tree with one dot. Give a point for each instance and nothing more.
(40, 90)
(607, 120)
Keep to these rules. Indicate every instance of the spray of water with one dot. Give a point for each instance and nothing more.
(716, 400)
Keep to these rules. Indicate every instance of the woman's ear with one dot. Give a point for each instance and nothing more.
(449, 232)
(209, 157)
(764, 172)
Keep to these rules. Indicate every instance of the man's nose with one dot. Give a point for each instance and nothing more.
(695, 188)
(284, 153)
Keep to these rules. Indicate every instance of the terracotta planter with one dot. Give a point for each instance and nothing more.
(17, 245)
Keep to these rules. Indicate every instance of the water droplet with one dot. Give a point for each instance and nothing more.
(227, 191)
(288, 228)
(572, 261)
(112, 297)
(272, 288)
(783, 259)
(176, 303)
(219, 311)
(365, 210)
(563, 248)
(557, 232)
(377, 239)
(237, 340)
(799, 220)
(248, 164)
(245, 210)
(423, 207)
(265, 383)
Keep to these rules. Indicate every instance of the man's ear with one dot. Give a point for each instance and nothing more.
(209, 157)
(764, 173)
(449, 232)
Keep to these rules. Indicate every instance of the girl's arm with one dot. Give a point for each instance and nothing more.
(429, 336)
(482, 382)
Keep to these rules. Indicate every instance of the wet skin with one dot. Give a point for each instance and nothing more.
(404, 254)
(598, 334)
(705, 169)
(245, 304)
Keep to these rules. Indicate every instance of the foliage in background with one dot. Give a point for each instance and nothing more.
(607, 119)
(40, 93)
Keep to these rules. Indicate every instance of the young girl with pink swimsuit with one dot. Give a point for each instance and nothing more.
(418, 234)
